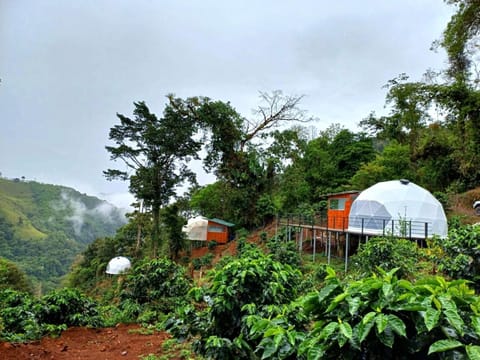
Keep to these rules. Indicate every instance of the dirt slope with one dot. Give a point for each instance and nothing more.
(461, 206)
(122, 342)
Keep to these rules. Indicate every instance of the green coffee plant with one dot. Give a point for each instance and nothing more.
(69, 307)
(460, 253)
(380, 317)
(254, 279)
(278, 331)
(17, 317)
(285, 252)
(158, 283)
(387, 253)
(26, 318)
(243, 246)
(205, 260)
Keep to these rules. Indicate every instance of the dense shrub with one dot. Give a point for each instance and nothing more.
(254, 280)
(387, 253)
(243, 246)
(70, 307)
(23, 317)
(205, 260)
(285, 252)
(11, 277)
(460, 253)
(158, 283)
(377, 317)
(212, 245)
(18, 321)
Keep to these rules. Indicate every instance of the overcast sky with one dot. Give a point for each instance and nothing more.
(67, 68)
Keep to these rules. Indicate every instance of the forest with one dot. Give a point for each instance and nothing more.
(263, 298)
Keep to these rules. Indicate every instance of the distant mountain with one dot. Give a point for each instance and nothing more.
(43, 227)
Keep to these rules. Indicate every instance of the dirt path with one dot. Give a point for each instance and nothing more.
(124, 342)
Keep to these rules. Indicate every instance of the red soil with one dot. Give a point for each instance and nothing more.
(122, 342)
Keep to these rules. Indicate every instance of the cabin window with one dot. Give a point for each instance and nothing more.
(337, 204)
(216, 229)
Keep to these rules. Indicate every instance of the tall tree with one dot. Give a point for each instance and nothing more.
(461, 40)
(333, 158)
(173, 223)
(233, 150)
(155, 151)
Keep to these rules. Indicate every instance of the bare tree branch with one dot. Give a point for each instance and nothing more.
(277, 109)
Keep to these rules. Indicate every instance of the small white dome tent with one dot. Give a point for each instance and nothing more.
(400, 208)
(118, 265)
(196, 228)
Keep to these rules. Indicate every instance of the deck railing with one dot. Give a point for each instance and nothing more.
(364, 226)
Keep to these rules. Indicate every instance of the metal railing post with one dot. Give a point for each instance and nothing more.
(346, 253)
(329, 247)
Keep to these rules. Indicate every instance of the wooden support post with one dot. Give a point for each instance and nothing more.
(314, 243)
(276, 227)
(300, 247)
(288, 228)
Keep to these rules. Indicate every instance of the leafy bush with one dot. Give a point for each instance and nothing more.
(285, 252)
(384, 317)
(69, 307)
(205, 260)
(26, 318)
(253, 280)
(378, 317)
(242, 245)
(278, 332)
(223, 261)
(443, 198)
(11, 277)
(17, 317)
(263, 237)
(387, 253)
(158, 283)
(460, 256)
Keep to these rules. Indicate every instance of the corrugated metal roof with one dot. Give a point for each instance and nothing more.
(221, 222)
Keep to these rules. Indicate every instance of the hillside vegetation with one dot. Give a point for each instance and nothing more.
(43, 227)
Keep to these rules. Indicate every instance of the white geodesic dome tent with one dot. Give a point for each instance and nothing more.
(196, 228)
(118, 265)
(399, 208)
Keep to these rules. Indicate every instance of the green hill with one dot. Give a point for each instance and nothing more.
(43, 227)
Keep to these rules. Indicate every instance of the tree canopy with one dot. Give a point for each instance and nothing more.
(155, 151)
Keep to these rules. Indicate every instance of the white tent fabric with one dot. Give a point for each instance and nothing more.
(196, 228)
(399, 208)
(118, 265)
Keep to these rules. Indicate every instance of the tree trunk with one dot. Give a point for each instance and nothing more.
(156, 229)
(139, 229)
